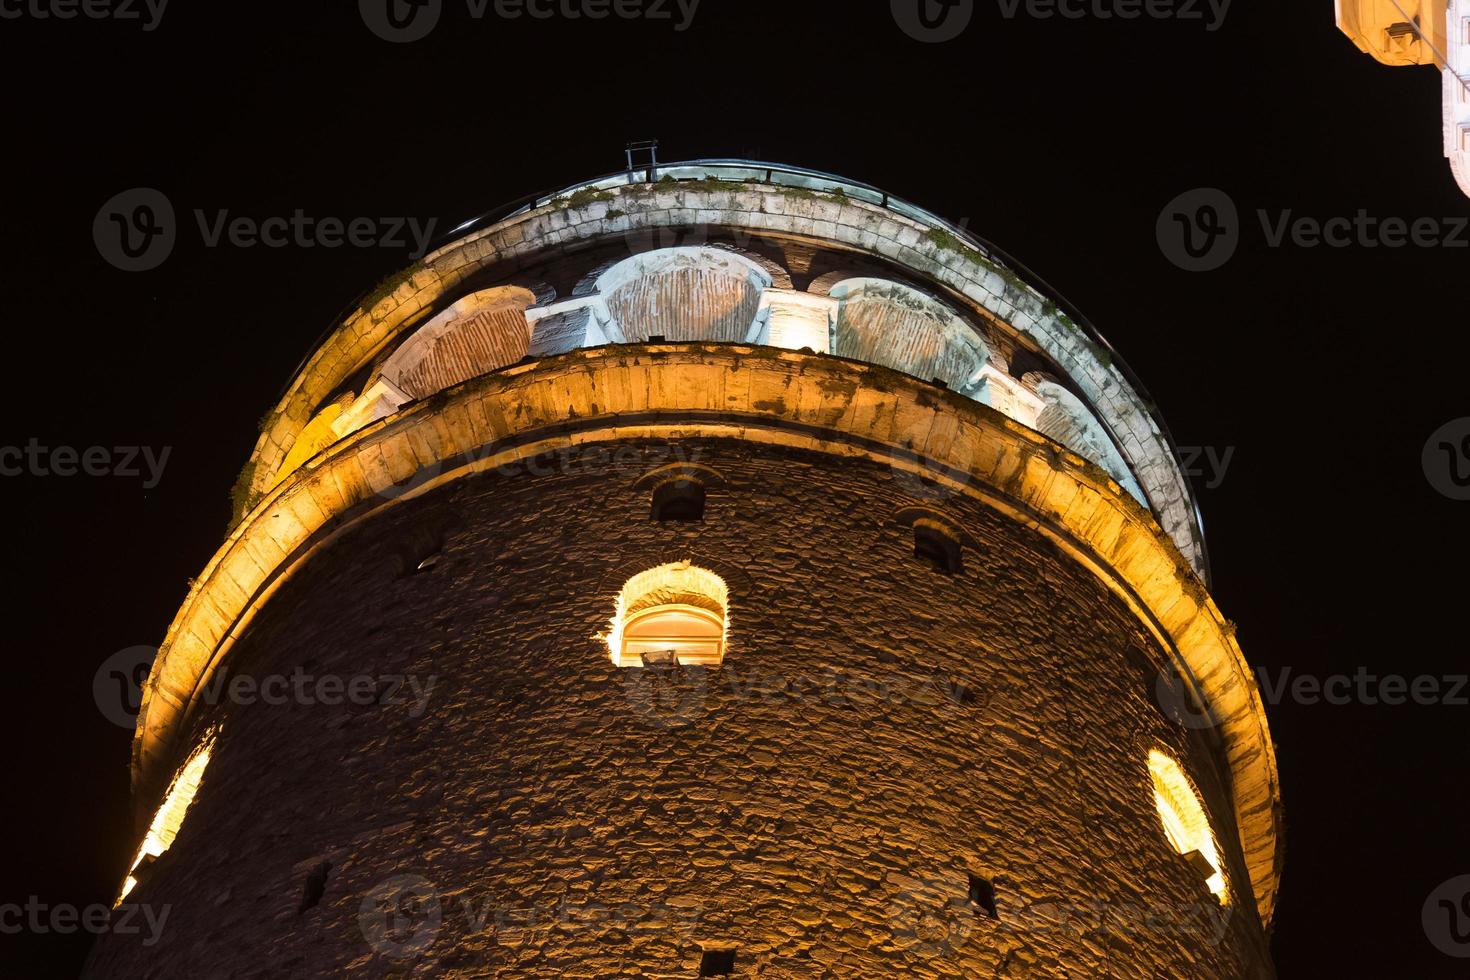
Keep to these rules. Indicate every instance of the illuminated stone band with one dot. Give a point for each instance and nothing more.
(756, 394)
(956, 274)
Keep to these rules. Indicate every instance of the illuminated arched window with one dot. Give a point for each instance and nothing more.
(672, 615)
(1185, 822)
(170, 816)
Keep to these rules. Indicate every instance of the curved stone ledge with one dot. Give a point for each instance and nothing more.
(965, 278)
(735, 391)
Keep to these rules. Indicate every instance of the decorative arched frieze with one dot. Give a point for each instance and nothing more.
(888, 323)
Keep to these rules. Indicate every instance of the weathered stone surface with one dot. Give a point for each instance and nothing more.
(759, 395)
(818, 802)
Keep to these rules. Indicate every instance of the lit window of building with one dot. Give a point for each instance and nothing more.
(170, 816)
(674, 614)
(1185, 822)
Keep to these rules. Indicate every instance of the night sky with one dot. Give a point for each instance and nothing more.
(1322, 371)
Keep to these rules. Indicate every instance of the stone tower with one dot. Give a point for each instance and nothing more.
(722, 570)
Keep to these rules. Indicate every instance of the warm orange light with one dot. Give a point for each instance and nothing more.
(677, 609)
(170, 815)
(1183, 816)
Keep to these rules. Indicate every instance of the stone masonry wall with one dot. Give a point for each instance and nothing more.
(817, 803)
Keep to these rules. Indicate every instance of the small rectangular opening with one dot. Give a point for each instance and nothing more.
(982, 896)
(937, 550)
(717, 963)
(316, 887)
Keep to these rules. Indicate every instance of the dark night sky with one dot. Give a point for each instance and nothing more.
(1324, 369)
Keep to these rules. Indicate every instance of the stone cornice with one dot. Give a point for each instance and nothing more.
(964, 276)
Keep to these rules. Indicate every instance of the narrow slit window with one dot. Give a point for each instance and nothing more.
(679, 501)
(169, 818)
(1185, 824)
(936, 547)
(982, 896)
(717, 963)
(316, 887)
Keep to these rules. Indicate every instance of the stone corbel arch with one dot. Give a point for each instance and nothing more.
(685, 294)
(482, 332)
(889, 323)
(1066, 419)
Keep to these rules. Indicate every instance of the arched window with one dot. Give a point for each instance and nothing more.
(1071, 423)
(170, 816)
(680, 499)
(1185, 822)
(671, 615)
(936, 547)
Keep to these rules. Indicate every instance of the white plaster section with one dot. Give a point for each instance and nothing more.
(1067, 420)
(600, 328)
(1008, 396)
(1457, 92)
(1402, 33)
(795, 320)
(381, 399)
